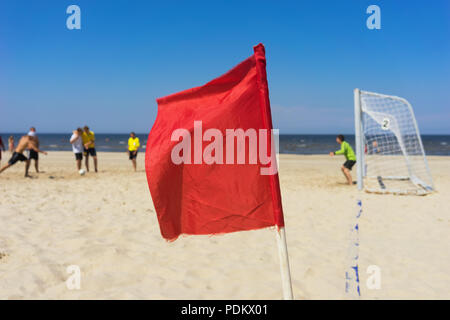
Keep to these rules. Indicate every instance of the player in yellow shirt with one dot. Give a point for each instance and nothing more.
(88, 138)
(133, 147)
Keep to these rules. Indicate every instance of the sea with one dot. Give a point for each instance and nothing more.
(438, 145)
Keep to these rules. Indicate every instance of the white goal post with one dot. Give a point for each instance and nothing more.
(389, 150)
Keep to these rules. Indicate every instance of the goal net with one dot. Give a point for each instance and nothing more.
(390, 154)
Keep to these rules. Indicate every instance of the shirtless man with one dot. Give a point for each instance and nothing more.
(26, 142)
(33, 155)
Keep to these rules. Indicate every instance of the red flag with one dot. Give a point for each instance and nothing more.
(202, 178)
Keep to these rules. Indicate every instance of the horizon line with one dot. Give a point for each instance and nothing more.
(281, 134)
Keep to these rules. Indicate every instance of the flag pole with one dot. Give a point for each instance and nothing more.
(284, 264)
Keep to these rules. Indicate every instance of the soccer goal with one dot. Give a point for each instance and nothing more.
(389, 150)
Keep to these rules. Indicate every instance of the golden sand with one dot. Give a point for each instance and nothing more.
(105, 223)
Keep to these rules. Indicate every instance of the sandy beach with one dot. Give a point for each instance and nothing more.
(105, 223)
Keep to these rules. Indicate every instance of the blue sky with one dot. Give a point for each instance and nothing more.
(128, 53)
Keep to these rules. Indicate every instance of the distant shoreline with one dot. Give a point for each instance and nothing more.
(142, 151)
(314, 144)
(146, 134)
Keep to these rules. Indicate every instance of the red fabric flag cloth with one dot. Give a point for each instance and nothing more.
(201, 196)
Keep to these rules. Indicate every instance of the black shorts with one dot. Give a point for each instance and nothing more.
(79, 156)
(33, 155)
(349, 164)
(16, 157)
(133, 154)
(90, 151)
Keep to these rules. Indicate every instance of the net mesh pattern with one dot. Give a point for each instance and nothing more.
(394, 160)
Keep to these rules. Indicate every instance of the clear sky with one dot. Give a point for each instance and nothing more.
(128, 53)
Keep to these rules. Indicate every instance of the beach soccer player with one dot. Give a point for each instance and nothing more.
(350, 157)
(25, 143)
(33, 155)
(88, 138)
(77, 146)
(133, 147)
(2, 147)
(11, 144)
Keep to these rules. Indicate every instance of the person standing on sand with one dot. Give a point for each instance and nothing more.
(11, 144)
(2, 147)
(77, 146)
(350, 157)
(133, 147)
(33, 155)
(88, 138)
(26, 142)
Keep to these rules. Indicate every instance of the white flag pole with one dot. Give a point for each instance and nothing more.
(284, 264)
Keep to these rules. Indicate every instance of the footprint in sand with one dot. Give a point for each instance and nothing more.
(310, 272)
(3, 255)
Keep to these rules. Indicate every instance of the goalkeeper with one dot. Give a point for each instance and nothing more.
(350, 157)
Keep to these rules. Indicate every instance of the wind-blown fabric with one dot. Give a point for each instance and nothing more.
(214, 198)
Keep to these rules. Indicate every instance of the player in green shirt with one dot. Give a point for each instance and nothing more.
(350, 157)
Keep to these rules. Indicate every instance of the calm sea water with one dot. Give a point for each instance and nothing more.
(293, 144)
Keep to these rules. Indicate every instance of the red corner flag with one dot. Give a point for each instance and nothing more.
(202, 163)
